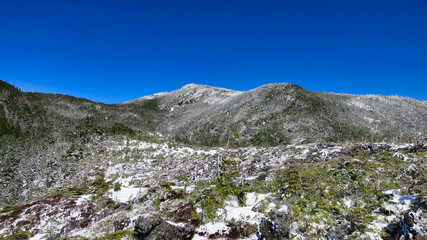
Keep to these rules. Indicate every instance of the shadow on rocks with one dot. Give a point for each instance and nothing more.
(154, 227)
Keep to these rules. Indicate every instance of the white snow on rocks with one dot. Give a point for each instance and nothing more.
(204, 231)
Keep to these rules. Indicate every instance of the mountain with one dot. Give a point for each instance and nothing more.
(271, 115)
(203, 162)
(278, 114)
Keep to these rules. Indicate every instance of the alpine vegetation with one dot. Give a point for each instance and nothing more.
(275, 162)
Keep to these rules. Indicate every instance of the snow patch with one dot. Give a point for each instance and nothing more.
(210, 228)
(284, 209)
(253, 198)
(348, 202)
(127, 194)
(181, 225)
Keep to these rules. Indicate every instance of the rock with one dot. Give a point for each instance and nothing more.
(262, 177)
(151, 228)
(122, 206)
(406, 225)
(276, 227)
(409, 219)
(72, 225)
(121, 224)
(420, 146)
(167, 231)
(22, 223)
(144, 226)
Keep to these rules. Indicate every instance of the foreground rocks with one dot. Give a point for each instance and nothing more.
(276, 227)
(154, 227)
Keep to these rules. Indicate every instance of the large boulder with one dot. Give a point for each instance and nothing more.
(150, 228)
(275, 227)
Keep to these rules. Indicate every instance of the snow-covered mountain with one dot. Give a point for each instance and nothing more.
(278, 114)
(275, 162)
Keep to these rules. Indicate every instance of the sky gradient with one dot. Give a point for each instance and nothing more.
(114, 51)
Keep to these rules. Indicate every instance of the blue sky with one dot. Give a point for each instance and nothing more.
(113, 51)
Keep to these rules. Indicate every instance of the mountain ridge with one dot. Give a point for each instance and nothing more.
(155, 95)
(269, 115)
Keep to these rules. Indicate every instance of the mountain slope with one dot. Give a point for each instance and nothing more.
(43, 136)
(277, 114)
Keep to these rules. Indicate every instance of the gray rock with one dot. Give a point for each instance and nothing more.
(22, 223)
(144, 226)
(121, 224)
(276, 227)
(151, 228)
(122, 206)
(72, 225)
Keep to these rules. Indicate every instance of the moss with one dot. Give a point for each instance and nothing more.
(317, 190)
(99, 185)
(207, 197)
(167, 185)
(259, 186)
(121, 129)
(78, 190)
(17, 234)
(210, 195)
(7, 210)
(118, 235)
(117, 186)
(241, 229)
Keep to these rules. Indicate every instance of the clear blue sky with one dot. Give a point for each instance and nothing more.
(113, 51)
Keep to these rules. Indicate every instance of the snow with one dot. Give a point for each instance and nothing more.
(198, 237)
(82, 199)
(284, 209)
(253, 198)
(392, 191)
(402, 146)
(149, 97)
(399, 203)
(242, 214)
(38, 237)
(127, 194)
(154, 149)
(328, 151)
(233, 212)
(359, 104)
(181, 225)
(305, 152)
(251, 178)
(407, 199)
(370, 120)
(212, 228)
(348, 202)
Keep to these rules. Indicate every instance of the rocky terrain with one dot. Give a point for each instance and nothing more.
(276, 162)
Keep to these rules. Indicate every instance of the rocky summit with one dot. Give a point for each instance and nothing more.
(275, 162)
